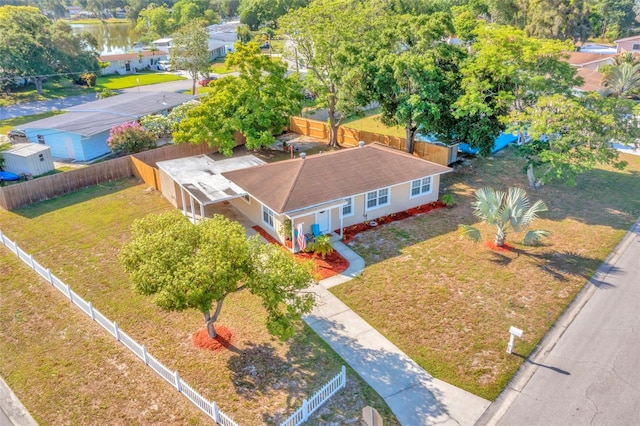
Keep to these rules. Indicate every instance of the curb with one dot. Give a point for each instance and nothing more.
(527, 369)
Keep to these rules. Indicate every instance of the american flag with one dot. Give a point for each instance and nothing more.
(302, 240)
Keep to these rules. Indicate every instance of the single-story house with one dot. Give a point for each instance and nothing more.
(217, 48)
(331, 190)
(28, 158)
(163, 44)
(81, 133)
(628, 44)
(127, 63)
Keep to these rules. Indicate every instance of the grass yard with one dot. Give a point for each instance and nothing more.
(68, 370)
(115, 82)
(448, 303)
(218, 66)
(371, 123)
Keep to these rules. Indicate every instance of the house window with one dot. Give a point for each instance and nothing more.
(40, 139)
(377, 198)
(347, 209)
(421, 187)
(635, 47)
(267, 216)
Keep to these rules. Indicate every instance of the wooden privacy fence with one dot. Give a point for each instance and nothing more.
(210, 408)
(444, 155)
(44, 188)
(141, 165)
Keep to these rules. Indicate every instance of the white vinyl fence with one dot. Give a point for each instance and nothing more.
(210, 408)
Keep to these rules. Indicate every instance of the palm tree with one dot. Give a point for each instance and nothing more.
(505, 210)
(623, 76)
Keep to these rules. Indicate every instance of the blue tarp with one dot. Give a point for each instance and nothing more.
(9, 176)
(501, 142)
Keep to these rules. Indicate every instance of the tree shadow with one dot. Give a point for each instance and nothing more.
(552, 368)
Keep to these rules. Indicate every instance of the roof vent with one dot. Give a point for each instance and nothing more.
(303, 155)
(360, 144)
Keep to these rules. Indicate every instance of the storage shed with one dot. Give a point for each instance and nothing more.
(29, 158)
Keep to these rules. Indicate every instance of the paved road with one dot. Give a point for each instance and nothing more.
(31, 108)
(591, 375)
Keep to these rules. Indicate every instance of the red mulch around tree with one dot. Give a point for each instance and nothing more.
(202, 340)
(492, 246)
(350, 232)
(331, 265)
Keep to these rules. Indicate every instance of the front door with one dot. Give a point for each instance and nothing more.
(323, 219)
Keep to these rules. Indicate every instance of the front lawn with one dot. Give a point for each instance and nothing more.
(68, 370)
(449, 303)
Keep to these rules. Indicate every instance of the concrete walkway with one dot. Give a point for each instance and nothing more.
(12, 412)
(414, 396)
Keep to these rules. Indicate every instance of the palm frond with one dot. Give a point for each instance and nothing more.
(487, 204)
(531, 214)
(469, 232)
(533, 237)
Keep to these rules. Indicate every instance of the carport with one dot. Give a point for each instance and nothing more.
(193, 183)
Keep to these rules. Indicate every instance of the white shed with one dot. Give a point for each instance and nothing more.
(29, 158)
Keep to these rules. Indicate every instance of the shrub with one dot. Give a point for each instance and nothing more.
(447, 200)
(130, 137)
(322, 246)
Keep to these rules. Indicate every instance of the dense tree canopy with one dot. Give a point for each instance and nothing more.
(186, 266)
(190, 50)
(31, 47)
(256, 103)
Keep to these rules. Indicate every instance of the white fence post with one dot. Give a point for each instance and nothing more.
(178, 384)
(1, 237)
(49, 277)
(31, 261)
(69, 292)
(144, 355)
(305, 410)
(93, 316)
(216, 414)
(344, 377)
(115, 327)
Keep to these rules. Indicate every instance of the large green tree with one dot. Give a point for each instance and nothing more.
(508, 70)
(31, 47)
(154, 22)
(333, 38)
(190, 50)
(256, 103)
(187, 266)
(415, 79)
(258, 13)
(572, 135)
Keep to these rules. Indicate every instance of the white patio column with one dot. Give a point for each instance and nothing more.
(193, 209)
(201, 211)
(184, 201)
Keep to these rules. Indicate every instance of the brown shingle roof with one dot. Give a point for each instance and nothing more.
(583, 58)
(592, 79)
(291, 185)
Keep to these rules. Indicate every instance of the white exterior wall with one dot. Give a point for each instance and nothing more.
(36, 163)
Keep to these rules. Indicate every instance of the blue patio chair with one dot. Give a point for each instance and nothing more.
(315, 230)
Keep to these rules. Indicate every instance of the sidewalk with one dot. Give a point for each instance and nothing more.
(414, 396)
(12, 412)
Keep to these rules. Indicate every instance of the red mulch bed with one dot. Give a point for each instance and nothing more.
(350, 232)
(492, 246)
(331, 265)
(202, 340)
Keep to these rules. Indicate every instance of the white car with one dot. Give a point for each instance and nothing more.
(164, 65)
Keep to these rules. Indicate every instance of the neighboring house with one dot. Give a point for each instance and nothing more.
(588, 66)
(81, 133)
(597, 48)
(163, 44)
(127, 63)
(629, 44)
(334, 190)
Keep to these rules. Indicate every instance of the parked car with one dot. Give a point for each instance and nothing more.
(164, 65)
(205, 81)
(17, 136)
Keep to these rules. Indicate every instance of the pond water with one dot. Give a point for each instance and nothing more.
(112, 38)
